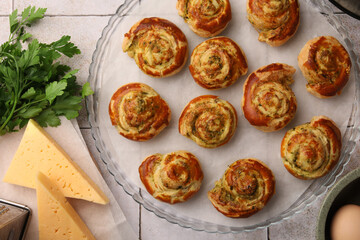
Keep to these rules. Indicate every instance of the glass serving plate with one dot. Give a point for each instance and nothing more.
(111, 68)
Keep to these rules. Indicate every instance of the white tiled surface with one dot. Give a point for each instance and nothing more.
(4, 34)
(84, 21)
(5, 7)
(72, 7)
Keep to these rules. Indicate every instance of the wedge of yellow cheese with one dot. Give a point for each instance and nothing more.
(57, 218)
(39, 152)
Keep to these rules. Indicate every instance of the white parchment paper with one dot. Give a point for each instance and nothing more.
(104, 221)
(118, 69)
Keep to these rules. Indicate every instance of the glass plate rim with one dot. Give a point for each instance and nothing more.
(345, 9)
(315, 190)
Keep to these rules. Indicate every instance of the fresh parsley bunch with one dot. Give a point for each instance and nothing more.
(33, 84)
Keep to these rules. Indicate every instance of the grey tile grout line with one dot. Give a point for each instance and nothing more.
(12, 5)
(79, 15)
(103, 15)
(140, 216)
(64, 15)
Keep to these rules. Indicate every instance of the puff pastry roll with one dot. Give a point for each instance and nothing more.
(205, 18)
(268, 102)
(326, 65)
(217, 63)
(138, 112)
(159, 47)
(276, 20)
(311, 150)
(173, 177)
(209, 121)
(244, 189)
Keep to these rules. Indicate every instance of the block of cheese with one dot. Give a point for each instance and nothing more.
(57, 218)
(39, 152)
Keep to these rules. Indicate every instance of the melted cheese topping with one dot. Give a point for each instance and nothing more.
(158, 46)
(173, 177)
(310, 150)
(217, 63)
(207, 18)
(138, 112)
(209, 121)
(276, 20)
(326, 65)
(268, 102)
(245, 188)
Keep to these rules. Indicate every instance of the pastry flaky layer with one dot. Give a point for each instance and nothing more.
(172, 177)
(311, 150)
(205, 18)
(138, 112)
(276, 20)
(159, 47)
(326, 65)
(217, 63)
(268, 102)
(244, 189)
(209, 121)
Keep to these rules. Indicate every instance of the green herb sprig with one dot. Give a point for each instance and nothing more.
(33, 84)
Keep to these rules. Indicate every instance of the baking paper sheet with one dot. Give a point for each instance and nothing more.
(118, 69)
(104, 221)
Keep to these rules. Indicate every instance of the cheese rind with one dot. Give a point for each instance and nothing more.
(57, 218)
(39, 152)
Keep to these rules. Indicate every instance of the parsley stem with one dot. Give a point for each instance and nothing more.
(21, 24)
(12, 58)
(10, 115)
(28, 104)
(16, 90)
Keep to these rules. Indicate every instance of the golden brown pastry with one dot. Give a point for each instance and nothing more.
(326, 65)
(311, 150)
(159, 47)
(268, 102)
(217, 63)
(276, 20)
(173, 177)
(208, 120)
(205, 18)
(244, 189)
(138, 112)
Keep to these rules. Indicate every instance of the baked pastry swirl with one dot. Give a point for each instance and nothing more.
(217, 63)
(138, 112)
(311, 150)
(326, 65)
(208, 120)
(173, 177)
(205, 18)
(244, 189)
(276, 20)
(159, 47)
(268, 102)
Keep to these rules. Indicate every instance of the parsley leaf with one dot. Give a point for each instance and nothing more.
(29, 93)
(48, 118)
(68, 105)
(86, 90)
(55, 89)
